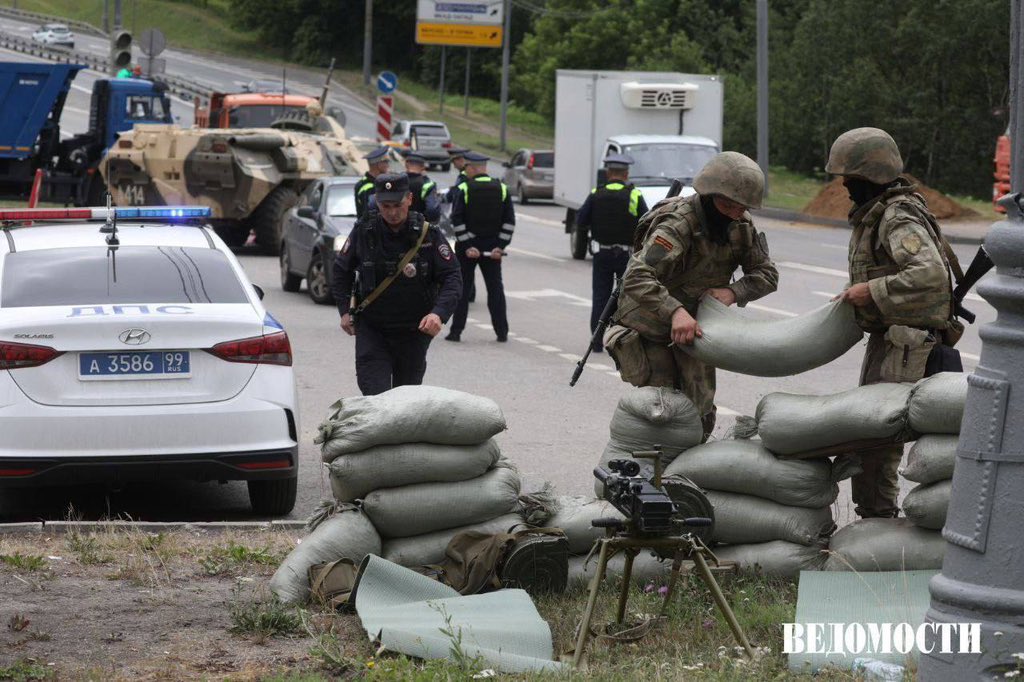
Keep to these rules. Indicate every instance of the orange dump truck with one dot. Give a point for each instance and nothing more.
(248, 109)
(1001, 186)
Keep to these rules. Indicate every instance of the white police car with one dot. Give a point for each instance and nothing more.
(139, 354)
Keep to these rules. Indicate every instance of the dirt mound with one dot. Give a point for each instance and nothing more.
(833, 202)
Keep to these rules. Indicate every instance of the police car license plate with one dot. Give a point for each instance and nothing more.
(166, 364)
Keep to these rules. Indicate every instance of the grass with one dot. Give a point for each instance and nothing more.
(184, 24)
(24, 562)
(224, 560)
(791, 191)
(262, 616)
(25, 670)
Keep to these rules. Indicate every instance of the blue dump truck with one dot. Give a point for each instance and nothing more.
(32, 98)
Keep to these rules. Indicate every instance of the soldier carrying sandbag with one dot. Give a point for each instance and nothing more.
(686, 248)
(900, 287)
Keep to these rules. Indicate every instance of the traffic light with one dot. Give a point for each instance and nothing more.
(120, 50)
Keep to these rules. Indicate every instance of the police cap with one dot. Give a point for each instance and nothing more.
(476, 157)
(457, 152)
(377, 155)
(416, 158)
(618, 161)
(391, 186)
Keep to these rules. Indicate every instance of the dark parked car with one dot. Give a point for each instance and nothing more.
(531, 174)
(313, 231)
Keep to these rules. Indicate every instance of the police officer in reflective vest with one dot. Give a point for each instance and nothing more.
(484, 221)
(396, 282)
(379, 163)
(458, 158)
(610, 215)
(424, 190)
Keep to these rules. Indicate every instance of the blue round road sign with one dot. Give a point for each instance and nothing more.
(387, 82)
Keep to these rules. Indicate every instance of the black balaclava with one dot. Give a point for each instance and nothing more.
(862, 191)
(718, 222)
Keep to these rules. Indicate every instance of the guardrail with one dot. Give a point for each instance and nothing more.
(175, 84)
(36, 17)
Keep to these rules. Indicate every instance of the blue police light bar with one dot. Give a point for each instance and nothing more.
(102, 213)
(169, 212)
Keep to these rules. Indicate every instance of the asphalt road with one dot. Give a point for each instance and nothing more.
(555, 433)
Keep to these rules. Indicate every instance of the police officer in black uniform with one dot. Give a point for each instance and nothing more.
(458, 159)
(424, 190)
(610, 214)
(394, 325)
(484, 222)
(379, 163)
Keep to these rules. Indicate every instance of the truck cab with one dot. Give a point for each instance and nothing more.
(248, 109)
(660, 159)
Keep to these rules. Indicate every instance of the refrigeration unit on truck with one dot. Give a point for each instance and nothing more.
(670, 123)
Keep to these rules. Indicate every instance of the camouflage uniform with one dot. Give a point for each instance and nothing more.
(896, 248)
(672, 267)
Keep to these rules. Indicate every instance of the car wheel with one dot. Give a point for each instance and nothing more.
(523, 199)
(316, 281)
(273, 498)
(289, 281)
(577, 244)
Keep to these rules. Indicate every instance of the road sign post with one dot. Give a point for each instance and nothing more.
(385, 107)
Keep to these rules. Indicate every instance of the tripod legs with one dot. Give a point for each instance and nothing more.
(588, 615)
(723, 605)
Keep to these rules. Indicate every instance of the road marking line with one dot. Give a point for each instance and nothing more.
(483, 326)
(76, 86)
(826, 294)
(613, 373)
(550, 293)
(549, 349)
(542, 221)
(725, 411)
(76, 110)
(526, 340)
(970, 356)
(534, 254)
(568, 356)
(775, 311)
(814, 268)
(603, 368)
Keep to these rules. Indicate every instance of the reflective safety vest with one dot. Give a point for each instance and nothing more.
(614, 213)
(421, 186)
(485, 198)
(364, 188)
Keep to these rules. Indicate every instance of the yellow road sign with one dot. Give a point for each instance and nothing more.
(464, 35)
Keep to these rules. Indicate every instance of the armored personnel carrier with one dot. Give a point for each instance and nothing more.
(248, 177)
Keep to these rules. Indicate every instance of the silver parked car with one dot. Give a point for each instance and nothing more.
(313, 231)
(531, 174)
(55, 35)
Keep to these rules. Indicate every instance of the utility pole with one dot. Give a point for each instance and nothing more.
(106, 16)
(367, 42)
(982, 579)
(762, 89)
(507, 38)
(444, 52)
(117, 15)
(465, 103)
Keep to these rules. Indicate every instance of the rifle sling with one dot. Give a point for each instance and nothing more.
(383, 286)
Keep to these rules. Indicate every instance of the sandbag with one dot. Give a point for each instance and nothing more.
(931, 459)
(429, 548)
(651, 416)
(408, 414)
(937, 403)
(743, 519)
(733, 340)
(574, 516)
(776, 558)
(747, 467)
(426, 507)
(926, 505)
(799, 424)
(885, 545)
(348, 534)
(646, 567)
(391, 466)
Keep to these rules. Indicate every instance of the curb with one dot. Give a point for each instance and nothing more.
(796, 216)
(148, 526)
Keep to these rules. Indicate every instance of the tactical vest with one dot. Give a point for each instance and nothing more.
(614, 209)
(870, 260)
(484, 197)
(408, 299)
(420, 186)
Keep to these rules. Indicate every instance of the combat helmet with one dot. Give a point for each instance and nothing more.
(733, 176)
(867, 153)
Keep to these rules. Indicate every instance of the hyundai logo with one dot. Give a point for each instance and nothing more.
(134, 337)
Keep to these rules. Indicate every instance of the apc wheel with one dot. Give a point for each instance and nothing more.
(266, 220)
(273, 498)
(289, 282)
(316, 281)
(523, 199)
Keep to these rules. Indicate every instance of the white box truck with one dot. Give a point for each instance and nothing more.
(670, 123)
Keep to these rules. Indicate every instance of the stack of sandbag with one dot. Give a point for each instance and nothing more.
(773, 514)
(936, 409)
(648, 417)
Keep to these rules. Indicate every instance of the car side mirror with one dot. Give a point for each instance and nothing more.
(306, 212)
(259, 291)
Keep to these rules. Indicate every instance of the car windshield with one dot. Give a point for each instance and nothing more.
(258, 116)
(666, 160)
(145, 274)
(430, 131)
(341, 200)
(543, 159)
(145, 108)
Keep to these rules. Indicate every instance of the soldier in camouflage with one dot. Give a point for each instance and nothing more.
(686, 248)
(900, 286)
